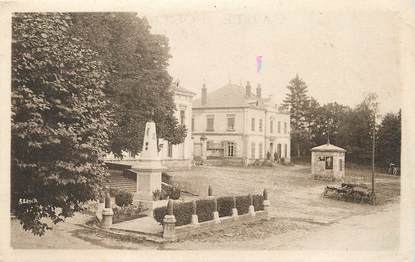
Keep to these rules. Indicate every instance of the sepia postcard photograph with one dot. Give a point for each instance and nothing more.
(207, 130)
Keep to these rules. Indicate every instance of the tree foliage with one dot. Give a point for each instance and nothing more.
(389, 139)
(351, 128)
(139, 86)
(60, 120)
(298, 103)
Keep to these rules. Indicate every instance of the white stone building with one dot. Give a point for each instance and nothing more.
(180, 156)
(238, 126)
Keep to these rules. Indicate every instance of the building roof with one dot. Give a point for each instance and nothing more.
(328, 148)
(177, 89)
(230, 95)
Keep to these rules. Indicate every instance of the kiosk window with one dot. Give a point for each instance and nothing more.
(329, 162)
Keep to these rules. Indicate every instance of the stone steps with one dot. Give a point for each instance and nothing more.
(119, 181)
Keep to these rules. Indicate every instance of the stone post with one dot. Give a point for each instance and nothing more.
(267, 205)
(100, 207)
(234, 210)
(210, 192)
(107, 213)
(195, 219)
(251, 206)
(215, 211)
(169, 223)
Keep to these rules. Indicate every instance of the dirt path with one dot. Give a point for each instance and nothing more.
(378, 230)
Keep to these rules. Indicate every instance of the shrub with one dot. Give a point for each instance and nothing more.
(123, 198)
(159, 213)
(204, 209)
(156, 195)
(225, 205)
(258, 202)
(182, 212)
(113, 192)
(242, 204)
(174, 192)
(166, 178)
(126, 213)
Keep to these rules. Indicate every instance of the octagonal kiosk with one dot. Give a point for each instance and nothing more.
(327, 162)
(148, 169)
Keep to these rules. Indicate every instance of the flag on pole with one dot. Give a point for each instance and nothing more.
(258, 63)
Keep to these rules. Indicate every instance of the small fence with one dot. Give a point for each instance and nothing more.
(183, 219)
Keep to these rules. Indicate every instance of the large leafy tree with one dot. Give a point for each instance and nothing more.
(298, 103)
(329, 119)
(389, 139)
(140, 86)
(60, 120)
(356, 129)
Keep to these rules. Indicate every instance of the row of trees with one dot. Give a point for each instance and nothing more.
(350, 128)
(82, 85)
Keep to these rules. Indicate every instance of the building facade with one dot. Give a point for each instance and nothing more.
(236, 124)
(181, 155)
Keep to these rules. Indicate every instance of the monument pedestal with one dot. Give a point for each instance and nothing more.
(148, 170)
(148, 181)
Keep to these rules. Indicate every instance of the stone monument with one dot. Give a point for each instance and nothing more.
(148, 169)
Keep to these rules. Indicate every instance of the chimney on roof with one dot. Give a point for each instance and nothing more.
(258, 91)
(204, 95)
(248, 89)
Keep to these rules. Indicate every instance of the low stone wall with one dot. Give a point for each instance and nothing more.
(187, 231)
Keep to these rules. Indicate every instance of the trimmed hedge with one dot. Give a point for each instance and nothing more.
(204, 209)
(182, 212)
(242, 204)
(225, 205)
(258, 202)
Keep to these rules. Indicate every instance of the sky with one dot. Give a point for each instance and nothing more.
(342, 55)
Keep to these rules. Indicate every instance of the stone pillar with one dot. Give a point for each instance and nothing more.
(195, 218)
(251, 206)
(215, 212)
(107, 213)
(234, 210)
(203, 153)
(210, 192)
(267, 205)
(169, 223)
(100, 207)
